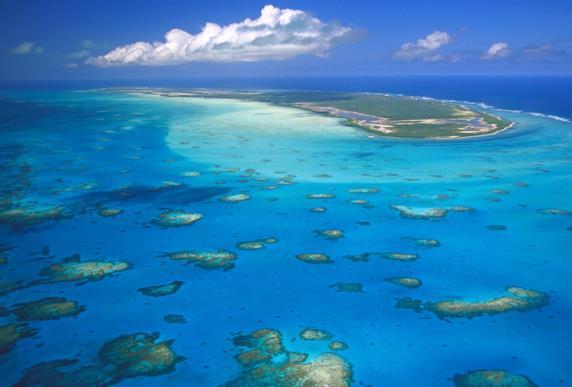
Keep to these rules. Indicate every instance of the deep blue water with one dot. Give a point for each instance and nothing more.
(81, 150)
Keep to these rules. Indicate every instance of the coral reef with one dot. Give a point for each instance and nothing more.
(256, 244)
(400, 256)
(49, 308)
(235, 198)
(554, 211)
(491, 378)
(267, 363)
(363, 190)
(175, 319)
(314, 258)
(338, 346)
(10, 334)
(314, 334)
(320, 196)
(109, 212)
(177, 219)
(127, 356)
(22, 217)
(426, 242)
(517, 299)
(75, 270)
(405, 282)
(419, 212)
(349, 287)
(210, 260)
(333, 234)
(161, 290)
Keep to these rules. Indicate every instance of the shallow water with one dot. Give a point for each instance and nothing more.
(83, 146)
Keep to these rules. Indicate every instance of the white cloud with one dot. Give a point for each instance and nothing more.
(497, 50)
(276, 34)
(425, 48)
(25, 48)
(79, 54)
(71, 65)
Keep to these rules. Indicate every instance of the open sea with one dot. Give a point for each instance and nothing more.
(508, 223)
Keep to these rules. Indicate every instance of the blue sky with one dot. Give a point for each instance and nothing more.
(76, 39)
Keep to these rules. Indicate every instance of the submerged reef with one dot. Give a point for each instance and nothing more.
(363, 190)
(127, 356)
(364, 257)
(210, 260)
(320, 196)
(49, 308)
(161, 290)
(175, 319)
(138, 355)
(419, 212)
(256, 244)
(361, 202)
(349, 287)
(265, 344)
(333, 234)
(268, 363)
(426, 242)
(462, 209)
(405, 282)
(338, 346)
(235, 198)
(177, 219)
(22, 217)
(109, 212)
(314, 334)
(496, 227)
(314, 258)
(554, 211)
(400, 256)
(10, 334)
(4, 254)
(517, 299)
(9, 287)
(191, 174)
(491, 378)
(251, 245)
(75, 270)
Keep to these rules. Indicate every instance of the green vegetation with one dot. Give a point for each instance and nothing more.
(392, 107)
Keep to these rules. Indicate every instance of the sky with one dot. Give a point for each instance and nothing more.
(110, 39)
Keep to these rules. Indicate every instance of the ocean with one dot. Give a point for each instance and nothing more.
(70, 151)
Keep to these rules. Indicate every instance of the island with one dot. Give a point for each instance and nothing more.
(380, 114)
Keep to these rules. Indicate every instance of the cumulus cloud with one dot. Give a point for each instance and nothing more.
(497, 50)
(425, 48)
(25, 48)
(276, 34)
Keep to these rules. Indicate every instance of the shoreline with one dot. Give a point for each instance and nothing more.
(347, 117)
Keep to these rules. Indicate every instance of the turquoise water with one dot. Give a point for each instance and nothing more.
(81, 147)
